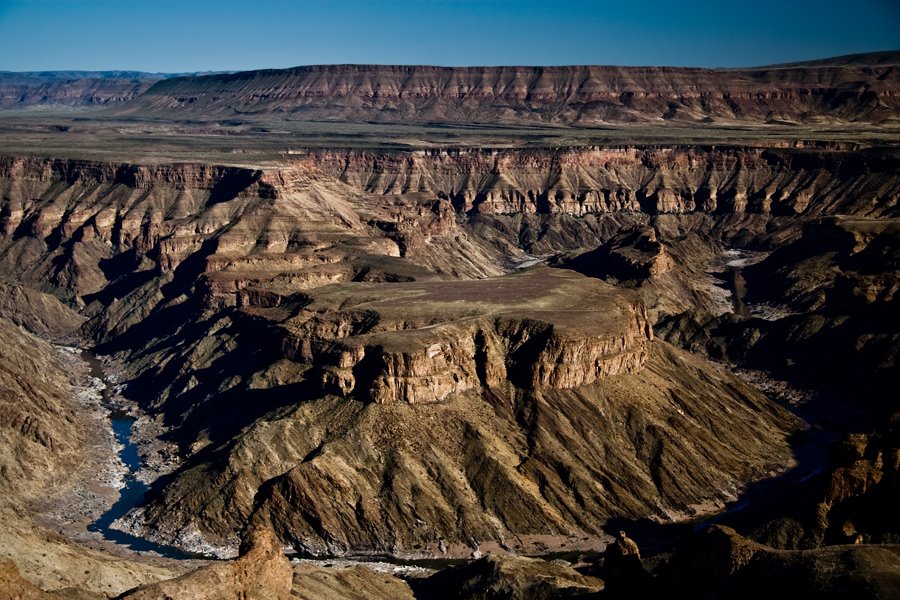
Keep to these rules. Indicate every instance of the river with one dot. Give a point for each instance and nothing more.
(133, 493)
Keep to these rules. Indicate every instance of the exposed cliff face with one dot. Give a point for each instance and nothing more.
(665, 180)
(542, 329)
(305, 222)
(565, 95)
(77, 88)
(506, 467)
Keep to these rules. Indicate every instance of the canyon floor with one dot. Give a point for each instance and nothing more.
(329, 356)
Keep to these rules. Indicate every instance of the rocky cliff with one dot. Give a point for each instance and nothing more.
(577, 95)
(76, 227)
(542, 329)
(603, 180)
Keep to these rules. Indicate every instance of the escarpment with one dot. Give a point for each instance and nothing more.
(611, 180)
(75, 226)
(581, 95)
(72, 88)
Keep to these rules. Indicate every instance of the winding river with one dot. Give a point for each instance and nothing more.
(133, 492)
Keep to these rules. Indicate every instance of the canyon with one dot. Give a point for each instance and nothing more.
(440, 343)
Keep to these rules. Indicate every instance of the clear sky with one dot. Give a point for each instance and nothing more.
(201, 35)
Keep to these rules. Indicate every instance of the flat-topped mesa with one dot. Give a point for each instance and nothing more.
(72, 88)
(421, 342)
(581, 95)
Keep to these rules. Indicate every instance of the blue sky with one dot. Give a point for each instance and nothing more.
(199, 35)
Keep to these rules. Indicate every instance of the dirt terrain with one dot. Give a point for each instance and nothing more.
(509, 325)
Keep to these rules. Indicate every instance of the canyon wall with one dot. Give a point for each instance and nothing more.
(652, 180)
(339, 349)
(96, 232)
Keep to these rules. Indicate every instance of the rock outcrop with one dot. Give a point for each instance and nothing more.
(96, 232)
(38, 418)
(508, 578)
(262, 572)
(38, 313)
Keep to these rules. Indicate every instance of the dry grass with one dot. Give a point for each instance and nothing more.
(267, 141)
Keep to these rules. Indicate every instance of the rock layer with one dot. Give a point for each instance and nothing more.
(568, 95)
(544, 329)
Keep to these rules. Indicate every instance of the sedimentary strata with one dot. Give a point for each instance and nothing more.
(581, 95)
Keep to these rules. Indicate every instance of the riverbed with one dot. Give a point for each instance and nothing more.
(133, 489)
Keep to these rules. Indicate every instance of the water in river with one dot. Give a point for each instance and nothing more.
(133, 493)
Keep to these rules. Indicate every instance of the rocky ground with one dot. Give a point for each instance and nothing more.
(460, 352)
(56, 430)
